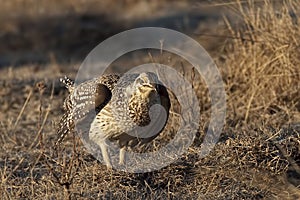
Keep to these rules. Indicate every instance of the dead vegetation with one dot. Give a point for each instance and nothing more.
(257, 156)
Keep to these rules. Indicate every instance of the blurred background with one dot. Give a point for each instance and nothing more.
(64, 31)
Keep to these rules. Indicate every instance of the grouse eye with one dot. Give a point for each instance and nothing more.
(140, 81)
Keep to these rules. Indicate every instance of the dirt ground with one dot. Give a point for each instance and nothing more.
(255, 46)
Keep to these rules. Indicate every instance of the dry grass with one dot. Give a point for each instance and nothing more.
(257, 156)
(261, 69)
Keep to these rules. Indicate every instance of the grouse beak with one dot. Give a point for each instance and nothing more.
(151, 87)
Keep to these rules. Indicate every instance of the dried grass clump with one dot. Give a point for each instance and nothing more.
(262, 149)
(261, 73)
(261, 67)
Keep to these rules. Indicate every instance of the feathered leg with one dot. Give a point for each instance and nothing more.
(122, 156)
(105, 154)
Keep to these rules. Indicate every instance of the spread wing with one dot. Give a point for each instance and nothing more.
(164, 98)
(82, 104)
(102, 97)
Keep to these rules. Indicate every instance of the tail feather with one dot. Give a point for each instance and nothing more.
(65, 126)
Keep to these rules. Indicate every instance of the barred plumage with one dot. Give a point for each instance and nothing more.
(121, 104)
(88, 96)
